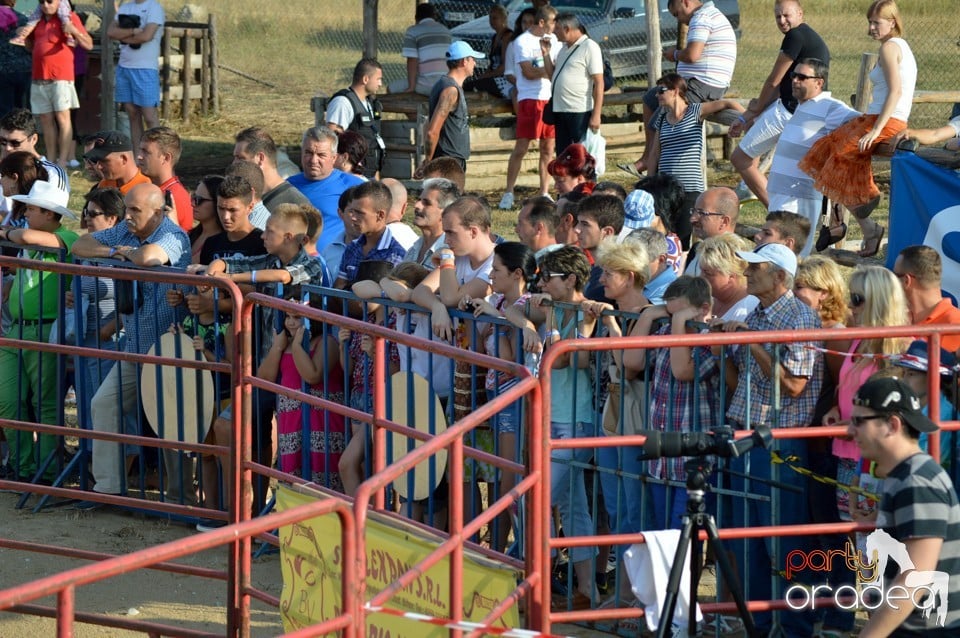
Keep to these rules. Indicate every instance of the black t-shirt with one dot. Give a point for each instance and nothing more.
(220, 246)
(284, 193)
(798, 43)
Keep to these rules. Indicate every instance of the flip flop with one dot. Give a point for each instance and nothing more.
(827, 238)
(874, 248)
(628, 167)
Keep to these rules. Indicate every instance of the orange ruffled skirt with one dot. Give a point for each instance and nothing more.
(839, 169)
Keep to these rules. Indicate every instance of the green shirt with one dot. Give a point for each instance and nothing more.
(27, 283)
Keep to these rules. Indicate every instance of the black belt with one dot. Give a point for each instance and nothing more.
(36, 322)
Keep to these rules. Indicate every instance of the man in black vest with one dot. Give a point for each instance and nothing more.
(357, 109)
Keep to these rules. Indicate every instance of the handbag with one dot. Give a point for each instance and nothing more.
(625, 410)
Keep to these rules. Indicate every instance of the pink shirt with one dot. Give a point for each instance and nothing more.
(853, 373)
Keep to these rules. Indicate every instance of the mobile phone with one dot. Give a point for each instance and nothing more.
(168, 199)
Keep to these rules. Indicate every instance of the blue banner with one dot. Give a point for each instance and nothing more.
(925, 209)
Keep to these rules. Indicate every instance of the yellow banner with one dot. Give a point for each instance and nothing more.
(311, 564)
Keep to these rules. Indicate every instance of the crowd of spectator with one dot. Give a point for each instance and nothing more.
(591, 261)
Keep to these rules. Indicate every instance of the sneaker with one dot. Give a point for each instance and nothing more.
(73, 164)
(71, 398)
(506, 202)
(744, 194)
(210, 524)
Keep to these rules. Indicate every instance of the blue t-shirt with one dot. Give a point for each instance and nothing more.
(324, 195)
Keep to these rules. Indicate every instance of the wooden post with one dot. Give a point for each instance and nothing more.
(204, 73)
(165, 74)
(214, 64)
(186, 46)
(654, 45)
(370, 28)
(108, 108)
(864, 86)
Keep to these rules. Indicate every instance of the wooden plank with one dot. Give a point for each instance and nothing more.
(176, 92)
(214, 64)
(864, 85)
(175, 61)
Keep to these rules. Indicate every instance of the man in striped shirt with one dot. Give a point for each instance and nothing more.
(918, 508)
(18, 132)
(817, 113)
(425, 47)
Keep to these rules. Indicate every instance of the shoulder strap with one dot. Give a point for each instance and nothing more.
(565, 60)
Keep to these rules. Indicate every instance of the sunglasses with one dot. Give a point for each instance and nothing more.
(803, 78)
(12, 143)
(88, 214)
(858, 421)
(547, 276)
(197, 200)
(857, 300)
(661, 90)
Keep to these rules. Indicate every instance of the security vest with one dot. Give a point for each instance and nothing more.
(368, 126)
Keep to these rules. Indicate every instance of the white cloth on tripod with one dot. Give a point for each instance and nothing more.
(648, 568)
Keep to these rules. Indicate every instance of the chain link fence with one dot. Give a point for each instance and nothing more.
(930, 28)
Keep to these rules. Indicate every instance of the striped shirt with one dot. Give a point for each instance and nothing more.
(919, 501)
(715, 66)
(812, 120)
(427, 42)
(753, 400)
(681, 146)
(55, 174)
(682, 406)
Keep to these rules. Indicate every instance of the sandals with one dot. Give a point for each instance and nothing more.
(828, 232)
(870, 246)
(629, 167)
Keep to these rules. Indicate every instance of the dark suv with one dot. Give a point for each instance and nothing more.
(618, 26)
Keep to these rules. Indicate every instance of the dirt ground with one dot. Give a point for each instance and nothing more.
(184, 601)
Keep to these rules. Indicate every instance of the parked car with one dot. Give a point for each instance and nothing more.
(618, 26)
(455, 12)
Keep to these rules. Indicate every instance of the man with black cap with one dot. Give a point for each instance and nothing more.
(112, 154)
(448, 133)
(918, 508)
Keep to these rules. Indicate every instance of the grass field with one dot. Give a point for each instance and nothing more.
(304, 47)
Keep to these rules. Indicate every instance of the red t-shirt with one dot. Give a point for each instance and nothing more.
(52, 58)
(181, 199)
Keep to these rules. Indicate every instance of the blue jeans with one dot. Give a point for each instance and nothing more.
(622, 495)
(760, 557)
(567, 490)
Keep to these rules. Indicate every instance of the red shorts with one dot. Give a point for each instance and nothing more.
(530, 124)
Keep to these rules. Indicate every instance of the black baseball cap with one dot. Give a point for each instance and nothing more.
(890, 394)
(106, 142)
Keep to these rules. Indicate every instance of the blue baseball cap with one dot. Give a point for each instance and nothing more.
(459, 50)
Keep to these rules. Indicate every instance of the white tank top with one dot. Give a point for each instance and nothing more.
(908, 80)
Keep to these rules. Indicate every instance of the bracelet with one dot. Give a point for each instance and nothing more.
(553, 333)
(113, 251)
(383, 293)
(676, 55)
(741, 119)
(444, 266)
(253, 276)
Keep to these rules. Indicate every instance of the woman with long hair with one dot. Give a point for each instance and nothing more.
(204, 202)
(840, 163)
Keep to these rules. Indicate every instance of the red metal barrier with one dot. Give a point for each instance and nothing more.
(543, 620)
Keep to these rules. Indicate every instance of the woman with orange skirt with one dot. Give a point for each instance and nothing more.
(840, 162)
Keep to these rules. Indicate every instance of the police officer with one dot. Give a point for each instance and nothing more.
(357, 108)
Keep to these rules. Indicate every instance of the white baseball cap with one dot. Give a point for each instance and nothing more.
(776, 254)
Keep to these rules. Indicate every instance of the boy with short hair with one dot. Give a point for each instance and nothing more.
(790, 229)
(599, 218)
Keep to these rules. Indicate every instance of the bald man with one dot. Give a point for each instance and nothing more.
(147, 238)
(400, 229)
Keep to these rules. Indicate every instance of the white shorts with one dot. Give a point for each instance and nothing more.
(51, 96)
(809, 208)
(766, 130)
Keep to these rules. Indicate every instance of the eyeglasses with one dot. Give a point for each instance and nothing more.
(699, 212)
(662, 89)
(12, 143)
(857, 421)
(197, 200)
(857, 300)
(803, 78)
(547, 276)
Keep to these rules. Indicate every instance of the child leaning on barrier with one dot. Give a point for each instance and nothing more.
(303, 353)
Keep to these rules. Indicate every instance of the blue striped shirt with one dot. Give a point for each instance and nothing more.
(681, 146)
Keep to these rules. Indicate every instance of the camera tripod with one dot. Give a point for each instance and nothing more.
(694, 520)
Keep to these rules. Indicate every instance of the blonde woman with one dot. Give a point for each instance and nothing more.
(840, 163)
(723, 270)
(876, 300)
(626, 270)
